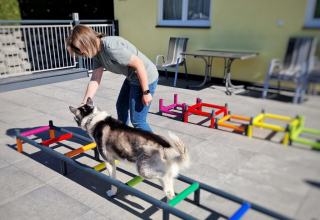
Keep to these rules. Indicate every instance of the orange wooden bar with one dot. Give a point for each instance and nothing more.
(57, 139)
(222, 123)
(81, 150)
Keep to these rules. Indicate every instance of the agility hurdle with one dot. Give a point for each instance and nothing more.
(167, 208)
(222, 122)
(175, 105)
(297, 127)
(258, 121)
(197, 110)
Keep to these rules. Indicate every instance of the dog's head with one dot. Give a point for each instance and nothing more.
(83, 113)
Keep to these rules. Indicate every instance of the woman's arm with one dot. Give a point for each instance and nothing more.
(137, 63)
(93, 84)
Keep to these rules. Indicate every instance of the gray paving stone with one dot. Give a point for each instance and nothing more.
(309, 208)
(15, 183)
(240, 141)
(224, 158)
(283, 175)
(8, 105)
(263, 194)
(83, 187)
(92, 215)
(19, 114)
(192, 129)
(43, 203)
(38, 170)
(300, 157)
(9, 152)
(3, 163)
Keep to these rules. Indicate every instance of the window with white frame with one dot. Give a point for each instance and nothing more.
(312, 19)
(185, 13)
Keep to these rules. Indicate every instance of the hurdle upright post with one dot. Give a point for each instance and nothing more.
(160, 106)
(51, 130)
(229, 113)
(249, 130)
(286, 136)
(183, 111)
(186, 114)
(212, 118)
(19, 142)
(226, 110)
(200, 107)
(175, 101)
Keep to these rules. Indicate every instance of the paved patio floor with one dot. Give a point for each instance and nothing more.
(283, 179)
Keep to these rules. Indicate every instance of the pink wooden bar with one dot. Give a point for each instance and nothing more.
(35, 131)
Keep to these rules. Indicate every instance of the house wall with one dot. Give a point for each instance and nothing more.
(236, 25)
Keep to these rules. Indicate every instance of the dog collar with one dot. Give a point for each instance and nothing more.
(88, 121)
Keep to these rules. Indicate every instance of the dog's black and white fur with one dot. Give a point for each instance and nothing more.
(153, 155)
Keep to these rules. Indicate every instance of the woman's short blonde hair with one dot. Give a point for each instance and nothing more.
(84, 38)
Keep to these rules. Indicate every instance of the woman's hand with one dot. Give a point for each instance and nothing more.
(146, 99)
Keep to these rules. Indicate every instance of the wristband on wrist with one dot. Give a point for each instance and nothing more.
(83, 103)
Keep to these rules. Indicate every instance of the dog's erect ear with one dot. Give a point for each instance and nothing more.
(73, 110)
(89, 101)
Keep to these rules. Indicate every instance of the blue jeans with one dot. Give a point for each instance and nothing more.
(130, 98)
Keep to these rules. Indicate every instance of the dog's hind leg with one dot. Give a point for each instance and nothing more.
(168, 186)
(111, 167)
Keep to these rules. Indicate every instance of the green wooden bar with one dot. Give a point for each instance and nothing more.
(315, 145)
(311, 131)
(134, 181)
(295, 132)
(181, 196)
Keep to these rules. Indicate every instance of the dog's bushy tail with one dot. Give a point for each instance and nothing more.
(183, 159)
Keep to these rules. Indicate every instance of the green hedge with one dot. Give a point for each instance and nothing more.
(9, 10)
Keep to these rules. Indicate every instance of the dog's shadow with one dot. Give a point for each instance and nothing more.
(86, 180)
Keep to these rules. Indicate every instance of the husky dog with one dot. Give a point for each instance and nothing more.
(153, 155)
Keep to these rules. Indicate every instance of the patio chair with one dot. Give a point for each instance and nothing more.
(174, 58)
(299, 50)
(312, 77)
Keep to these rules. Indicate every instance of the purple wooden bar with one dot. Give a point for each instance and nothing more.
(35, 131)
(167, 108)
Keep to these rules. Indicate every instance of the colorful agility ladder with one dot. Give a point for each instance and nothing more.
(167, 208)
(258, 121)
(297, 127)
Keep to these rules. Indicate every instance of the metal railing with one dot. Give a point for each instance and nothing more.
(28, 48)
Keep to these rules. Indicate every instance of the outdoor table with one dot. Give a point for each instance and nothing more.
(228, 57)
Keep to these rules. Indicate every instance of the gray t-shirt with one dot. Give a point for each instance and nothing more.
(114, 56)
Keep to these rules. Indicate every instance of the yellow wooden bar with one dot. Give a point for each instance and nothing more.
(279, 117)
(101, 166)
(51, 134)
(81, 150)
(269, 126)
(224, 119)
(258, 118)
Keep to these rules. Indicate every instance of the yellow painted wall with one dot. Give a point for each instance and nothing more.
(236, 25)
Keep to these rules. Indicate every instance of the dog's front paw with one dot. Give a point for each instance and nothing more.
(111, 193)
